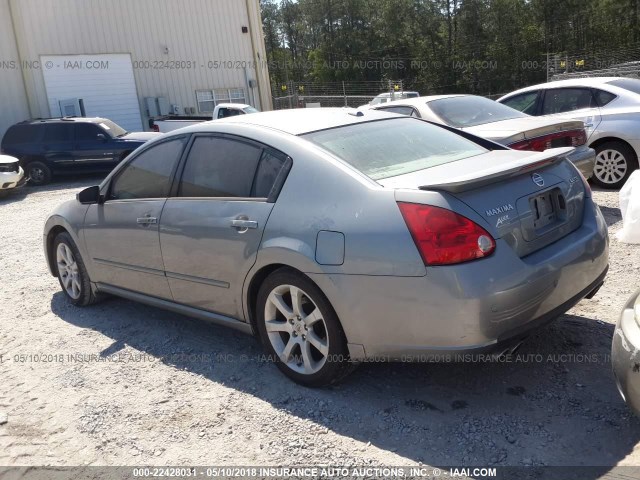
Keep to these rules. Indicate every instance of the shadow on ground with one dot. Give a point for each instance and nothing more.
(552, 403)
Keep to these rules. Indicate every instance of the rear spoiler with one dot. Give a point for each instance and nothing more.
(496, 172)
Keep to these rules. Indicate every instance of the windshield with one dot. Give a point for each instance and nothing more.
(250, 110)
(469, 111)
(630, 84)
(386, 148)
(112, 128)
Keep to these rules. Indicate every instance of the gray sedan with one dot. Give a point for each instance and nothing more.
(610, 109)
(507, 126)
(338, 236)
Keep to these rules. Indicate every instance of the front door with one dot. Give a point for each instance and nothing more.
(122, 233)
(93, 148)
(211, 230)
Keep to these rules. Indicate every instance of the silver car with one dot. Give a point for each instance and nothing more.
(610, 109)
(489, 119)
(337, 236)
(625, 353)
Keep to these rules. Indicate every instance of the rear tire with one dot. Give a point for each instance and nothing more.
(38, 173)
(300, 330)
(71, 272)
(615, 162)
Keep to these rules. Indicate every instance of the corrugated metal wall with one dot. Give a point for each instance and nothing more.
(155, 33)
(13, 99)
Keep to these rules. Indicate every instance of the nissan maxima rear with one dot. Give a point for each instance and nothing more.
(338, 237)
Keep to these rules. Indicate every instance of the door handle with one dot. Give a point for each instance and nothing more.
(243, 224)
(147, 220)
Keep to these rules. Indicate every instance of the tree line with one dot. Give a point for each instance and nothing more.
(485, 47)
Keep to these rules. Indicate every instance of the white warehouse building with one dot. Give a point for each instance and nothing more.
(129, 60)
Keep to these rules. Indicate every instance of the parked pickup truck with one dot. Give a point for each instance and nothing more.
(222, 110)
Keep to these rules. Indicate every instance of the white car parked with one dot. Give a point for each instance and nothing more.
(610, 109)
(11, 174)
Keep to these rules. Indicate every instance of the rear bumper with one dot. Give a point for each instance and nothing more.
(625, 356)
(473, 306)
(584, 158)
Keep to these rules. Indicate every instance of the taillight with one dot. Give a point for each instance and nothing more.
(443, 237)
(155, 128)
(569, 138)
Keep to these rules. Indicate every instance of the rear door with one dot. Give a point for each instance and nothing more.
(575, 103)
(211, 228)
(93, 148)
(58, 145)
(122, 233)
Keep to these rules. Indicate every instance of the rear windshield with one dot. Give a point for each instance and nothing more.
(631, 84)
(387, 148)
(469, 111)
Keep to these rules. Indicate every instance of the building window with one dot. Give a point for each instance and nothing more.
(208, 99)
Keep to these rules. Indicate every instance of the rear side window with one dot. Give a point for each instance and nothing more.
(267, 176)
(19, 134)
(149, 174)
(560, 100)
(219, 167)
(386, 148)
(603, 97)
(58, 132)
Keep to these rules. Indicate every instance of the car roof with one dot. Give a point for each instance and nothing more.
(569, 82)
(299, 121)
(65, 119)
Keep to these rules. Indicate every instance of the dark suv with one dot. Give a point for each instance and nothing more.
(69, 145)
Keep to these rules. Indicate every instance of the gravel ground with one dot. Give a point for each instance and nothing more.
(125, 384)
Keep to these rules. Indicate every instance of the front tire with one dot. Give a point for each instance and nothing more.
(615, 161)
(71, 272)
(38, 173)
(301, 331)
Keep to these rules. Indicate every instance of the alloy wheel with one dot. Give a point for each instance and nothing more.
(611, 166)
(68, 271)
(296, 329)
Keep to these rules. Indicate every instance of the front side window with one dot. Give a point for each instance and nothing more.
(525, 102)
(219, 167)
(149, 174)
(386, 148)
(86, 132)
(469, 111)
(561, 100)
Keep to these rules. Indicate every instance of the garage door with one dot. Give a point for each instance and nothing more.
(102, 84)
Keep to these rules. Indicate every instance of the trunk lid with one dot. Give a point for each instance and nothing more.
(514, 130)
(528, 199)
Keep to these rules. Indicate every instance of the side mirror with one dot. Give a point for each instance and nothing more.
(90, 195)
(102, 137)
